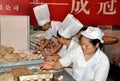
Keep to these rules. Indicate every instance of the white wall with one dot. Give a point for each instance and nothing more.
(14, 31)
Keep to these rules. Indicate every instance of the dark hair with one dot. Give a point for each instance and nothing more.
(58, 35)
(83, 28)
(95, 41)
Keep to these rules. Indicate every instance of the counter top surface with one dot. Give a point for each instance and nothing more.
(66, 76)
(7, 66)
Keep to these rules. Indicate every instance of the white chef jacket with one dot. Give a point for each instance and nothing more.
(63, 51)
(75, 38)
(52, 31)
(64, 48)
(95, 69)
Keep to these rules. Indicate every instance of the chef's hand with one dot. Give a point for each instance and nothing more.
(48, 52)
(38, 48)
(47, 65)
(50, 58)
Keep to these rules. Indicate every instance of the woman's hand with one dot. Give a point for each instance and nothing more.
(49, 58)
(54, 57)
(47, 65)
(48, 51)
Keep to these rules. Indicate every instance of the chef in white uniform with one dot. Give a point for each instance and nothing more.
(70, 27)
(42, 15)
(89, 62)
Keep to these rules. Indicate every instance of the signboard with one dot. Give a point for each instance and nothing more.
(89, 12)
(14, 7)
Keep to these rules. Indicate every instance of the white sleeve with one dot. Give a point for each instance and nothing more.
(102, 70)
(70, 57)
(62, 51)
(66, 60)
(49, 34)
(55, 25)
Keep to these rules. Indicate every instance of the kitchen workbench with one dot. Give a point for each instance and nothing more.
(66, 76)
(35, 63)
(28, 63)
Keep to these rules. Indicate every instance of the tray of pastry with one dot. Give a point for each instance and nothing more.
(33, 73)
(10, 58)
(26, 73)
(23, 62)
(37, 77)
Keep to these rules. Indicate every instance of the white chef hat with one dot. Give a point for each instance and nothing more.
(70, 26)
(93, 33)
(42, 14)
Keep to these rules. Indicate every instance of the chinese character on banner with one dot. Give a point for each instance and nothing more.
(108, 7)
(8, 7)
(1, 7)
(79, 6)
(14, 7)
(89, 12)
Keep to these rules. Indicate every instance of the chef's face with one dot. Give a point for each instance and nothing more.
(87, 46)
(46, 26)
(61, 40)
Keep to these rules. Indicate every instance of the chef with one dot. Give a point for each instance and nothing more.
(89, 62)
(70, 27)
(42, 15)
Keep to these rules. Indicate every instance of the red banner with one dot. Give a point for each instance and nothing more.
(14, 7)
(89, 12)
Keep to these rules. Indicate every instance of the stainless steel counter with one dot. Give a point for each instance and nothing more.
(28, 63)
(66, 76)
(35, 63)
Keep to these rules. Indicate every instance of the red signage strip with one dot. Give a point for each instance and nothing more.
(89, 12)
(14, 7)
